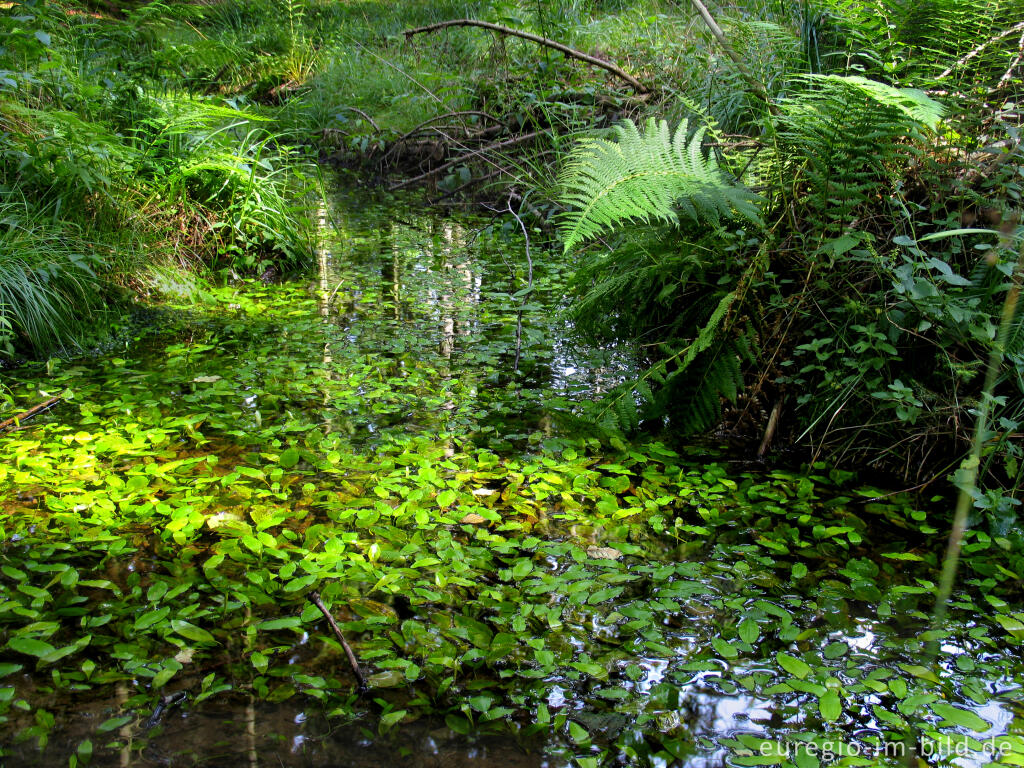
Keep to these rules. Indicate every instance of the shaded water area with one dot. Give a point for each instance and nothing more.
(518, 594)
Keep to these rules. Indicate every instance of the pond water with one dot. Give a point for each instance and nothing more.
(397, 431)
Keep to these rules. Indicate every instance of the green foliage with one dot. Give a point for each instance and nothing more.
(670, 292)
(646, 176)
(842, 142)
(914, 43)
(111, 173)
(853, 320)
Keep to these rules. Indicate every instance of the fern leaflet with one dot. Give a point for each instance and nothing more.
(647, 176)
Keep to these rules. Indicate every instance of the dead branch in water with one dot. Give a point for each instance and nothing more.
(314, 598)
(572, 53)
(14, 420)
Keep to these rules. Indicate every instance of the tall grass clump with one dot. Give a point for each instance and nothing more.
(48, 281)
(113, 159)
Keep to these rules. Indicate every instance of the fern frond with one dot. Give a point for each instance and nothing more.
(647, 176)
(846, 139)
(916, 105)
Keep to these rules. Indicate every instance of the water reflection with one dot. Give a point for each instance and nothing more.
(441, 293)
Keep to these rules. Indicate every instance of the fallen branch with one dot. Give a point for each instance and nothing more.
(15, 420)
(462, 158)
(314, 598)
(572, 53)
(400, 141)
(435, 118)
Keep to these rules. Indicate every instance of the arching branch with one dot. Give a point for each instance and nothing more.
(572, 53)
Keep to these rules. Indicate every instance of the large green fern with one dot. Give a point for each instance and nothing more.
(841, 142)
(649, 176)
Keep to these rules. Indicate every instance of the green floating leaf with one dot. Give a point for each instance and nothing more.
(748, 630)
(84, 751)
(149, 618)
(922, 672)
(191, 632)
(30, 646)
(1012, 624)
(522, 569)
(389, 678)
(299, 583)
(393, 718)
(830, 707)
(163, 677)
(836, 650)
(604, 594)
(458, 724)
(289, 622)
(578, 733)
(114, 723)
(9, 669)
(961, 717)
(793, 665)
(725, 650)
(59, 653)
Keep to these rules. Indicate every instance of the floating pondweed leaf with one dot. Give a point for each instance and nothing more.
(1013, 624)
(836, 650)
(30, 646)
(793, 665)
(962, 718)
(114, 723)
(387, 679)
(830, 706)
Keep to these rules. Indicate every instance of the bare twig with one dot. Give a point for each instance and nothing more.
(977, 51)
(533, 210)
(314, 597)
(572, 53)
(363, 115)
(463, 158)
(16, 420)
(1008, 75)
